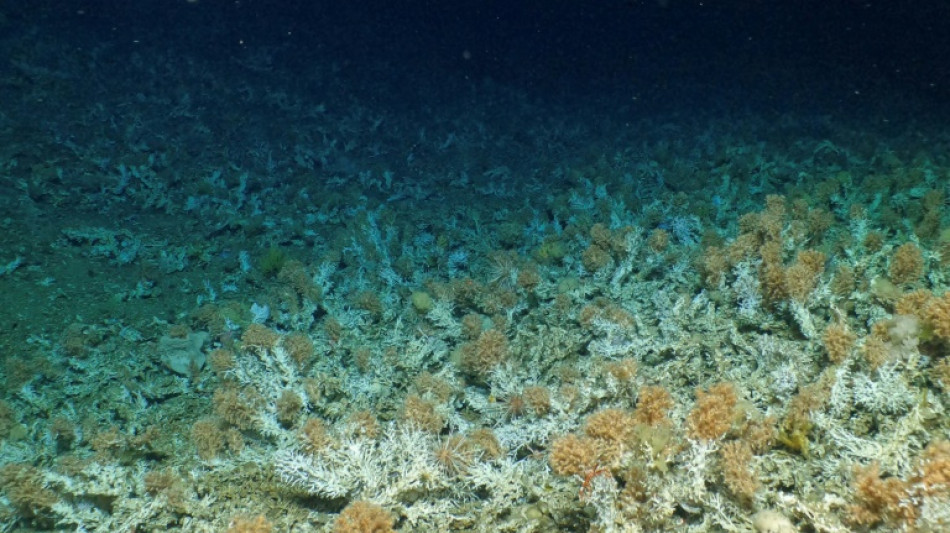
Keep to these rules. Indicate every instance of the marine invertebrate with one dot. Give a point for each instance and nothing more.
(259, 337)
(659, 240)
(537, 399)
(899, 502)
(587, 484)
(838, 341)
(937, 315)
(802, 276)
(738, 473)
(363, 517)
(209, 438)
(715, 264)
(879, 499)
(609, 424)
(653, 406)
(300, 348)
(245, 524)
(289, 405)
(484, 353)
(313, 435)
(25, 489)
(595, 258)
(571, 455)
(714, 412)
(454, 454)
(183, 355)
(272, 261)
(237, 406)
(769, 521)
(907, 264)
(421, 413)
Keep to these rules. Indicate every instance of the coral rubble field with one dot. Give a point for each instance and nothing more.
(241, 298)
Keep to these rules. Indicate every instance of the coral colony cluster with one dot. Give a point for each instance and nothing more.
(252, 300)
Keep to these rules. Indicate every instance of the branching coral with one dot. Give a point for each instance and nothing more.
(713, 414)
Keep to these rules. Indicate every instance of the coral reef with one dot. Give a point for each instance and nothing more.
(248, 296)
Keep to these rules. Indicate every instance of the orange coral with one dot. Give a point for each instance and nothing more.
(313, 435)
(289, 405)
(363, 424)
(300, 347)
(876, 351)
(168, 484)
(742, 248)
(913, 303)
(715, 264)
(879, 500)
(802, 277)
(363, 517)
(528, 278)
(257, 524)
(611, 430)
(221, 361)
(237, 407)
(874, 241)
(422, 414)
(772, 273)
(370, 302)
(940, 373)
(907, 264)
(485, 441)
(471, 325)
(819, 221)
(570, 455)
(333, 329)
(260, 337)
(937, 315)
(179, 331)
(609, 424)
(933, 470)
(600, 235)
(652, 406)
(26, 490)
(487, 351)
(735, 461)
(838, 341)
(624, 370)
(843, 282)
(295, 275)
(759, 433)
(208, 438)
(595, 258)
(431, 386)
(772, 219)
(894, 501)
(537, 399)
(713, 413)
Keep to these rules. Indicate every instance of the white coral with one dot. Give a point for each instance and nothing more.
(381, 471)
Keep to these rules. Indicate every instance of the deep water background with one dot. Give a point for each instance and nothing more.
(778, 56)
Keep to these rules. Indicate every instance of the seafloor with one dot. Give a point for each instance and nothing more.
(242, 298)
